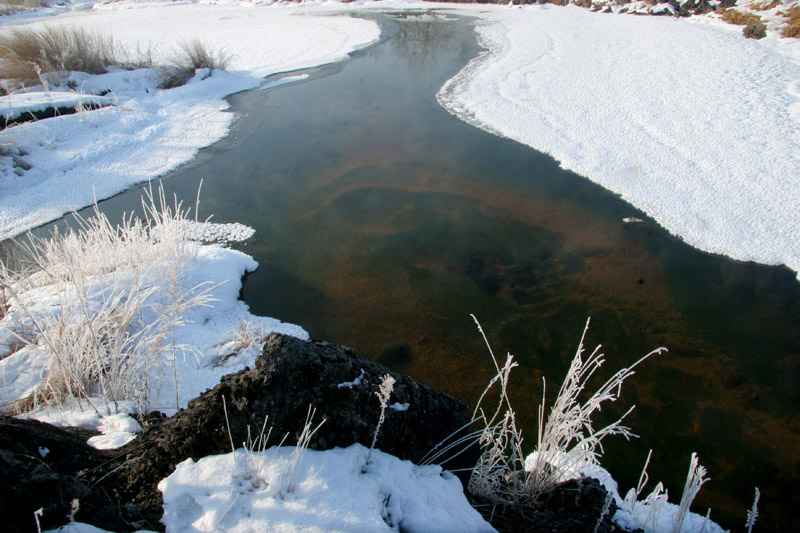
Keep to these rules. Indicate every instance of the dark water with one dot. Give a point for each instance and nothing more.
(382, 222)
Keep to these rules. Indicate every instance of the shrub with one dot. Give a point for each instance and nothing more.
(755, 31)
(732, 16)
(792, 28)
(191, 56)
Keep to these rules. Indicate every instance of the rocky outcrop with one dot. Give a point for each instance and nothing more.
(118, 490)
(46, 467)
(41, 467)
(290, 376)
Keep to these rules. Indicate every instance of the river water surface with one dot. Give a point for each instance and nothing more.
(383, 222)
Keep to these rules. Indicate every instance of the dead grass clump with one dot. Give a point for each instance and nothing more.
(792, 28)
(739, 18)
(27, 53)
(764, 5)
(755, 31)
(191, 56)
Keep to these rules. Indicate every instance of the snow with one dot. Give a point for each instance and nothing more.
(330, 491)
(399, 407)
(149, 131)
(117, 430)
(15, 106)
(689, 122)
(355, 383)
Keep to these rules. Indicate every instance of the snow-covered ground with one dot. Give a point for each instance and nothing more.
(330, 491)
(690, 122)
(149, 131)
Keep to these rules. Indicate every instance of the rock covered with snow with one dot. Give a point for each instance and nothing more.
(16, 106)
(290, 375)
(332, 491)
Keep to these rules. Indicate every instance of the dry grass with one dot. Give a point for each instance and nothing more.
(27, 53)
(733, 16)
(764, 5)
(567, 438)
(101, 301)
(191, 56)
(11, 7)
(755, 31)
(792, 28)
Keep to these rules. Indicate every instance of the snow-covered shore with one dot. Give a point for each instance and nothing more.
(688, 121)
(149, 131)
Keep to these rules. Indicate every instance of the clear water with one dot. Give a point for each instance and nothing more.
(382, 222)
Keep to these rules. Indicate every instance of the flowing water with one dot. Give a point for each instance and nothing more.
(383, 222)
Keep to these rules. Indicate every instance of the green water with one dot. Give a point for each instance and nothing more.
(382, 222)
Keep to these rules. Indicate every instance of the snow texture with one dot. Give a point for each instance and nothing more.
(238, 493)
(690, 122)
(149, 132)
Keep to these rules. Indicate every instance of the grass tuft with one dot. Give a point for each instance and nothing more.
(191, 56)
(567, 440)
(765, 5)
(100, 302)
(27, 53)
(792, 28)
(739, 18)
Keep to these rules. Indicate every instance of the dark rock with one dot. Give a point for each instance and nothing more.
(117, 489)
(577, 506)
(44, 467)
(290, 376)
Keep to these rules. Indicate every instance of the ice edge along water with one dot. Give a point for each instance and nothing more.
(688, 121)
(80, 158)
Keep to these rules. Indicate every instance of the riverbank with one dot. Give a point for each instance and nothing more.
(78, 159)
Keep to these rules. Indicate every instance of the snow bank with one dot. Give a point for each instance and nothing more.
(15, 106)
(241, 493)
(150, 132)
(690, 122)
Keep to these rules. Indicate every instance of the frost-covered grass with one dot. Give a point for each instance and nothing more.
(568, 446)
(113, 295)
(106, 319)
(567, 440)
